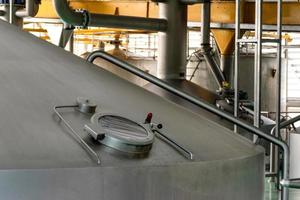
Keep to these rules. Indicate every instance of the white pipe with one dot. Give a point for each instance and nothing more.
(11, 15)
(30, 10)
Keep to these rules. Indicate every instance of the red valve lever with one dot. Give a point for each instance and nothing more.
(148, 118)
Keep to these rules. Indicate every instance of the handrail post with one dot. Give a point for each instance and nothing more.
(237, 59)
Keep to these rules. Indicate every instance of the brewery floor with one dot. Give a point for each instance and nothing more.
(272, 194)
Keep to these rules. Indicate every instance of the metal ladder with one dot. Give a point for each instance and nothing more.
(258, 41)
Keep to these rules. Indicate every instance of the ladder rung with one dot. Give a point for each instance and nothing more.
(271, 40)
(247, 41)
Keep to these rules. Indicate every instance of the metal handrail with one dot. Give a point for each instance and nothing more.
(289, 183)
(158, 82)
(286, 123)
(74, 133)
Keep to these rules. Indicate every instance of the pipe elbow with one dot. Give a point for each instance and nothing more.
(68, 15)
(31, 9)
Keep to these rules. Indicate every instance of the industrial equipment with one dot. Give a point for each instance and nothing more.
(41, 160)
(76, 131)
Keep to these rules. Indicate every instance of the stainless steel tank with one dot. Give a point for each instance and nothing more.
(40, 159)
(146, 64)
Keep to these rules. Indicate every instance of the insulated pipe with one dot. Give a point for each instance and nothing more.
(160, 83)
(173, 43)
(84, 18)
(114, 21)
(205, 45)
(30, 10)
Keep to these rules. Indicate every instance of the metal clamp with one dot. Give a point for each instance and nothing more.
(185, 152)
(85, 106)
(86, 17)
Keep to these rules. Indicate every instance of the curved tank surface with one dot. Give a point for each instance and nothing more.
(147, 65)
(40, 159)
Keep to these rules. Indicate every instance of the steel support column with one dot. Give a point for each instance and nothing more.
(257, 65)
(173, 43)
(237, 60)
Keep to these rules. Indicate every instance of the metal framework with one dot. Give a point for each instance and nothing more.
(258, 41)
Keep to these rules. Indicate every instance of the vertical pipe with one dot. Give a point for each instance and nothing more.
(148, 9)
(286, 67)
(188, 44)
(173, 42)
(257, 64)
(226, 61)
(205, 24)
(237, 59)
(206, 47)
(71, 43)
(284, 194)
(11, 4)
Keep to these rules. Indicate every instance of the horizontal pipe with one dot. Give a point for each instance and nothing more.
(245, 26)
(140, 23)
(183, 1)
(84, 18)
(194, 1)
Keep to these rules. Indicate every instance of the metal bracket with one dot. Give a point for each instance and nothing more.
(85, 107)
(185, 152)
(86, 17)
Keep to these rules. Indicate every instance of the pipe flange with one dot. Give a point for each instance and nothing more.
(86, 17)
